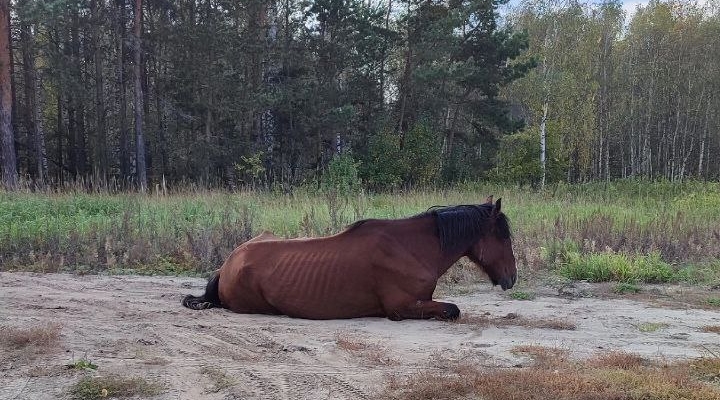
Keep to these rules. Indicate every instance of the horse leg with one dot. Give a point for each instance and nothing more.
(424, 309)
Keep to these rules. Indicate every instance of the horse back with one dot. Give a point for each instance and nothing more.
(310, 278)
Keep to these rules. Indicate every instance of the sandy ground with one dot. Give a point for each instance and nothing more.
(135, 326)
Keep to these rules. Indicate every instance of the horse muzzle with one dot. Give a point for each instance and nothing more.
(507, 283)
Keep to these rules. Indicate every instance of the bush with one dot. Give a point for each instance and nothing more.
(339, 184)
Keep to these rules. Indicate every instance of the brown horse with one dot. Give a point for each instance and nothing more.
(384, 268)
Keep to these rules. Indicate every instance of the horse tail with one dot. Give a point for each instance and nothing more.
(209, 299)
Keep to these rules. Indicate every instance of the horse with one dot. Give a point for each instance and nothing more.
(374, 268)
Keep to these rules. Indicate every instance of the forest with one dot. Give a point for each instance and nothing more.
(122, 94)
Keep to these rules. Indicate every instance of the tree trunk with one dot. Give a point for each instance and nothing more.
(34, 121)
(76, 107)
(139, 138)
(7, 137)
(125, 152)
(101, 148)
(384, 55)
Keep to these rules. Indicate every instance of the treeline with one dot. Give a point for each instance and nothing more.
(617, 97)
(413, 92)
(264, 92)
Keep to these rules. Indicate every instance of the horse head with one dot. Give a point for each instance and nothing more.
(493, 251)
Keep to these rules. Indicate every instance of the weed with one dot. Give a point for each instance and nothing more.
(113, 386)
(82, 364)
(714, 301)
(220, 380)
(40, 336)
(522, 295)
(626, 287)
(649, 327)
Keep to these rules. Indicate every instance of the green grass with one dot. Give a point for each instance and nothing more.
(522, 295)
(82, 364)
(626, 287)
(626, 231)
(602, 267)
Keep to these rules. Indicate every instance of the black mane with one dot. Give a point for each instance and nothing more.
(459, 227)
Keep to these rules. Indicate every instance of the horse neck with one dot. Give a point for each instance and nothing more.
(419, 236)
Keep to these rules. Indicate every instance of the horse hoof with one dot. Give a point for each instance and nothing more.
(451, 312)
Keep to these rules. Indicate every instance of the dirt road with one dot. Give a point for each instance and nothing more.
(135, 326)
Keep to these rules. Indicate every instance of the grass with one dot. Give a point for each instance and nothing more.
(711, 329)
(373, 352)
(113, 386)
(714, 301)
(82, 364)
(602, 267)
(627, 231)
(38, 336)
(608, 376)
(513, 319)
(220, 380)
(650, 327)
(522, 295)
(626, 287)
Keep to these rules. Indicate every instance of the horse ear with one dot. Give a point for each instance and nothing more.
(498, 205)
(489, 200)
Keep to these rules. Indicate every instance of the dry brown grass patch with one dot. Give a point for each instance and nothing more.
(220, 380)
(40, 336)
(617, 359)
(614, 376)
(113, 386)
(541, 355)
(711, 329)
(512, 319)
(374, 352)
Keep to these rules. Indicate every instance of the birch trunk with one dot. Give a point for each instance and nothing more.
(36, 133)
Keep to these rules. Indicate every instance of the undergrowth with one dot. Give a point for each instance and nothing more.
(626, 231)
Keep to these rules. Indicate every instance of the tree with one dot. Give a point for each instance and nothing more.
(7, 138)
(140, 166)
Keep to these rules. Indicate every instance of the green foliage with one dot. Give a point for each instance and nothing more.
(650, 327)
(626, 287)
(251, 168)
(193, 231)
(602, 267)
(341, 178)
(522, 295)
(421, 155)
(384, 167)
(339, 185)
(82, 364)
(412, 160)
(518, 157)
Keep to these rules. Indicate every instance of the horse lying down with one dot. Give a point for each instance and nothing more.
(379, 268)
